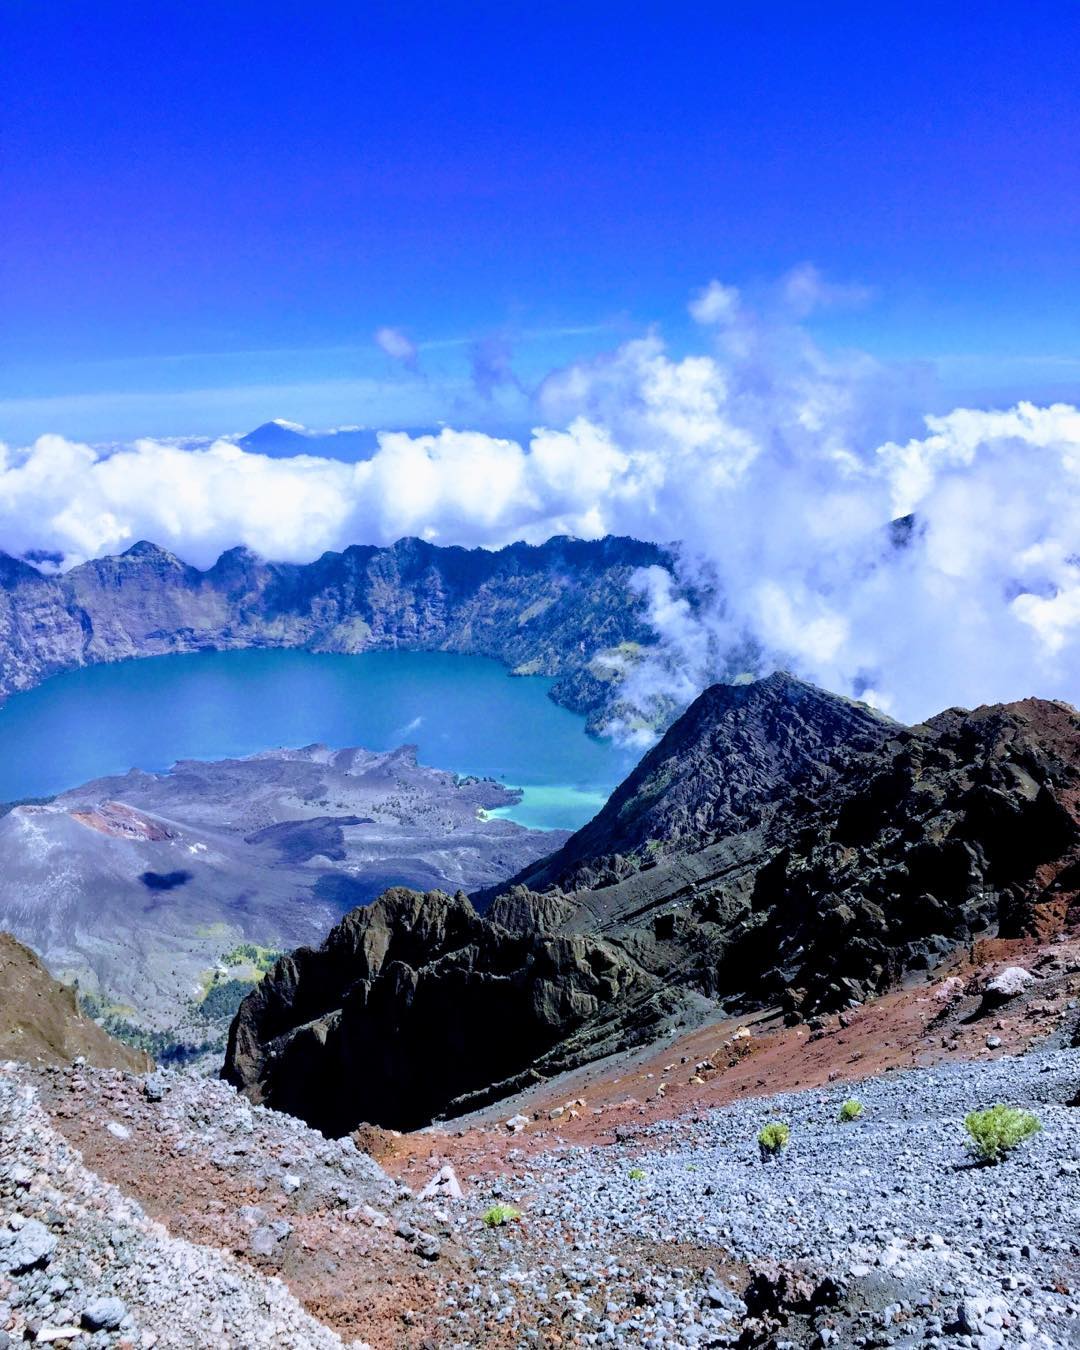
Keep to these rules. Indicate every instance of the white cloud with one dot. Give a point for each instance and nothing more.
(777, 465)
(717, 304)
(397, 345)
(806, 289)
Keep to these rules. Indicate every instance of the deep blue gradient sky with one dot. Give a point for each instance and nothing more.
(208, 210)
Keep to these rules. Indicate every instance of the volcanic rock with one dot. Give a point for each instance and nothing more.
(735, 751)
(411, 1003)
(810, 854)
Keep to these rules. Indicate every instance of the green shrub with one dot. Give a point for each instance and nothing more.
(773, 1138)
(497, 1215)
(998, 1130)
(224, 999)
(852, 1109)
(636, 1174)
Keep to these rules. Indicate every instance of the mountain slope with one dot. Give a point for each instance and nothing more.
(40, 1020)
(892, 846)
(158, 892)
(736, 750)
(551, 610)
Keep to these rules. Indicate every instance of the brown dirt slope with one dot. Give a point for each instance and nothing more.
(40, 1021)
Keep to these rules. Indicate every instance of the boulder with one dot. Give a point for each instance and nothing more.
(444, 1185)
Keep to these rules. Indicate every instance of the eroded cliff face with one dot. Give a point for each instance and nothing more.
(812, 855)
(413, 1003)
(551, 610)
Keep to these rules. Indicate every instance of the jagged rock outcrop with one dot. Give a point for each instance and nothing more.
(965, 824)
(412, 1003)
(812, 854)
(550, 610)
(40, 1019)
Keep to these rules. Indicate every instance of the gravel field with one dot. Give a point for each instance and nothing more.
(876, 1232)
(82, 1265)
(870, 1233)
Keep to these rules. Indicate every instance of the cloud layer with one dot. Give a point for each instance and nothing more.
(777, 466)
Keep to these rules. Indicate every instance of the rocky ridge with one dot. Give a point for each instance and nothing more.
(736, 751)
(564, 609)
(884, 852)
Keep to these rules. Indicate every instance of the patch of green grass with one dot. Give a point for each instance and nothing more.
(852, 1109)
(223, 992)
(773, 1138)
(636, 1174)
(97, 1006)
(998, 1130)
(213, 930)
(498, 1215)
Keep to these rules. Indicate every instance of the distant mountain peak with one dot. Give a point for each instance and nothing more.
(275, 435)
(281, 439)
(144, 550)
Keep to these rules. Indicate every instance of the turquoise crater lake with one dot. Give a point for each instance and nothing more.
(464, 713)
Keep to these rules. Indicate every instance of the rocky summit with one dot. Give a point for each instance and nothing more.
(737, 750)
(809, 855)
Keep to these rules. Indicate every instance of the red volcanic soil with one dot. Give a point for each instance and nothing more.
(922, 1024)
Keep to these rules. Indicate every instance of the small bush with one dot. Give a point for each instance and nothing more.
(998, 1130)
(636, 1174)
(852, 1109)
(773, 1138)
(498, 1215)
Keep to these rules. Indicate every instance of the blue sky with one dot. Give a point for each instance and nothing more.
(208, 210)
